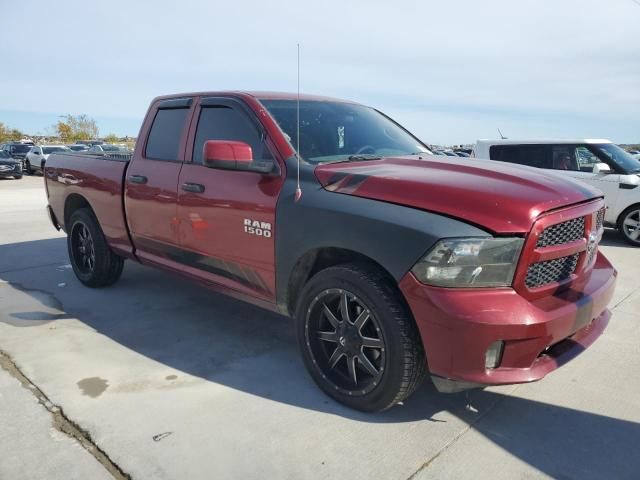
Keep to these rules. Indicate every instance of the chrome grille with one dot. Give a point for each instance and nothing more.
(543, 273)
(562, 233)
(600, 218)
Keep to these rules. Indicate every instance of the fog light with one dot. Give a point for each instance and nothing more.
(494, 354)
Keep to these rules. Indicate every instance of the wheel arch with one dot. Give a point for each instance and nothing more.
(321, 258)
(72, 203)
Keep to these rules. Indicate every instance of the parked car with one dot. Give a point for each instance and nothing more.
(90, 143)
(78, 147)
(37, 156)
(598, 163)
(392, 261)
(460, 153)
(109, 149)
(10, 167)
(17, 150)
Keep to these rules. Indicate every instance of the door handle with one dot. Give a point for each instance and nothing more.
(193, 187)
(141, 179)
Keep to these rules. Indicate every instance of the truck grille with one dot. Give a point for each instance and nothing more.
(565, 232)
(600, 218)
(561, 247)
(544, 273)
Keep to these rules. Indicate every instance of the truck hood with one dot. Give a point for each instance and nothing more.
(500, 197)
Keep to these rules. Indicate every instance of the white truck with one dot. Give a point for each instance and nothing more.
(598, 162)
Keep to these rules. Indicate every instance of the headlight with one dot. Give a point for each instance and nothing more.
(470, 262)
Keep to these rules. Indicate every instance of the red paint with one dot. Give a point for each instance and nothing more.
(458, 325)
(502, 200)
(226, 151)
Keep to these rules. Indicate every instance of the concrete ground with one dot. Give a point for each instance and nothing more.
(172, 381)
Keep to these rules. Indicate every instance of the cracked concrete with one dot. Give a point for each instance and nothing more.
(60, 422)
(195, 385)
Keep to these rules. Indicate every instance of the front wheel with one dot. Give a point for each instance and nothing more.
(27, 167)
(629, 225)
(93, 261)
(358, 339)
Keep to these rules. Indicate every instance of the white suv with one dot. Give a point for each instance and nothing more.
(599, 163)
(37, 156)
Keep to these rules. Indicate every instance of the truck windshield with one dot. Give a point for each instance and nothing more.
(618, 156)
(337, 132)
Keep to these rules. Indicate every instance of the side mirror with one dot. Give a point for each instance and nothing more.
(601, 168)
(231, 155)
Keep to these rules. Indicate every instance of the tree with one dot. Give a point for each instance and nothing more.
(112, 138)
(9, 134)
(76, 127)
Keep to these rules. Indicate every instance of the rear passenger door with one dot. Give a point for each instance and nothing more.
(226, 228)
(151, 183)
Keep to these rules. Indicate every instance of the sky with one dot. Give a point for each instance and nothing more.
(450, 71)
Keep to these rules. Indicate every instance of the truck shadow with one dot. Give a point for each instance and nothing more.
(218, 339)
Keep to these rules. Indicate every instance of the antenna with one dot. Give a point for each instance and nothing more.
(501, 136)
(298, 189)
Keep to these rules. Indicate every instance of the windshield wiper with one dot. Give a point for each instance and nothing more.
(364, 156)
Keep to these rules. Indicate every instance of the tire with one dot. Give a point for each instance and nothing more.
(93, 261)
(387, 338)
(27, 167)
(18, 177)
(629, 225)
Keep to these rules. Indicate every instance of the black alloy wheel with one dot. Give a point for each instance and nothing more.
(345, 341)
(82, 248)
(357, 337)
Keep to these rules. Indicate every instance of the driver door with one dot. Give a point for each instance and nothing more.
(227, 217)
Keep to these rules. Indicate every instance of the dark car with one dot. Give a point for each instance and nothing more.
(9, 167)
(17, 150)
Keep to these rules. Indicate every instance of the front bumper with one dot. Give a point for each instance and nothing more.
(458, 325)
(15, 170)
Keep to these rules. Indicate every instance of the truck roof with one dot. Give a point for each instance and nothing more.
(260, 95)
(541, 141)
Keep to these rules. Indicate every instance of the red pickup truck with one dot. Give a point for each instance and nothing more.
(393, 262)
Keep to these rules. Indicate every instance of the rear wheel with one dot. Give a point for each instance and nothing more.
(93, 261)
(358, 339)
(629, 225)
(27, 167)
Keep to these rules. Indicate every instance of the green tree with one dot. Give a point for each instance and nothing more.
(76, 127)
(8, 134)
(112, 138)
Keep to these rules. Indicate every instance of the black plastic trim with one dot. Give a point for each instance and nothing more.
(175, 103)
(394, 236)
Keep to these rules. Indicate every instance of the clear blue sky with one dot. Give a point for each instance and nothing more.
(451, 71)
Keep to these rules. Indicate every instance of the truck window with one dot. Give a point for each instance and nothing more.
(226, 123)
(530, 155)
(164, 137)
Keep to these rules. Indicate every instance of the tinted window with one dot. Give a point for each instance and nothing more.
(225, 123)
(20, 148)
(164, 137)
(4, 154)
(53, 149)
(530, 155)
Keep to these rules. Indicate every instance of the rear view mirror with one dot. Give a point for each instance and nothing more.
(232, 155)
(601, 168)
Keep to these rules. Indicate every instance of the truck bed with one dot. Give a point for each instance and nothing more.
(98, 180)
